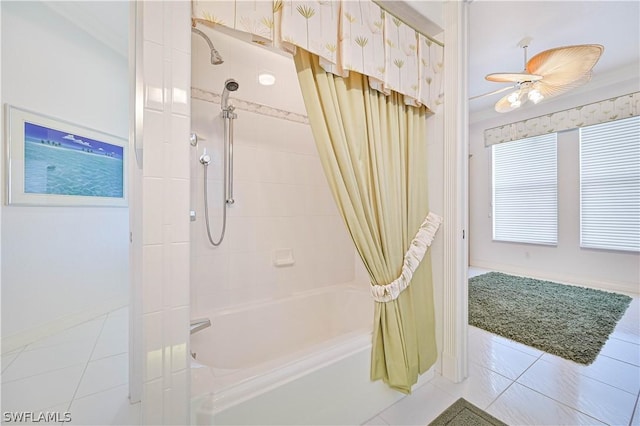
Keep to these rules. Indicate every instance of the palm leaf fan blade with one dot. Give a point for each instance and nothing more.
(512, 77)
(548, 90)
(565, 65)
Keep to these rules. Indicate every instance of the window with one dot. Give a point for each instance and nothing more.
(525, 191)
(610, 185)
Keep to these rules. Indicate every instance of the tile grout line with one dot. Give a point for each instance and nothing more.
(109, 356)
(514, 380)
(40, 374)
(563, 404)
(73, 397)
(100, 391)
(560, 402)
(635, 412)
(540, 358)
(18, 353)
(593, 378)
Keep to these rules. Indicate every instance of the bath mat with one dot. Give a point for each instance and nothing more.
(464, 413)
(568, 321)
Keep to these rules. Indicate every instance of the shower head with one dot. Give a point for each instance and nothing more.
(229, 86)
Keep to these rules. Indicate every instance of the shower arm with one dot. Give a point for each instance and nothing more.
(216, 58)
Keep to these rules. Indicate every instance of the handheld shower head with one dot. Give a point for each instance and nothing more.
(229, 86)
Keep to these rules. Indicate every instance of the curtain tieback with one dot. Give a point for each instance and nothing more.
(412, 258)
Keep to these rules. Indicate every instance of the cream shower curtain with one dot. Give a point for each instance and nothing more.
(373, 150)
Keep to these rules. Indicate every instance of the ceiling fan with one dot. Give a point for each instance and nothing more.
(549, 73)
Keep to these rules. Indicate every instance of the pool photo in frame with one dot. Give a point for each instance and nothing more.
(56, 163)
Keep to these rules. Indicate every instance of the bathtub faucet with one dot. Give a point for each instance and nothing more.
(199, 324)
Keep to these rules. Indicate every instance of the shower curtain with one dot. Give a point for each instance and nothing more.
(373, 151)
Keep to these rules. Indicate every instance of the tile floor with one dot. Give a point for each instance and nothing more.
(82, 370)
(521, 385)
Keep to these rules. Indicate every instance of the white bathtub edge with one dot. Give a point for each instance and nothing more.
(299, 399)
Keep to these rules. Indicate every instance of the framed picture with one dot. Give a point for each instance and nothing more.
(56, 163)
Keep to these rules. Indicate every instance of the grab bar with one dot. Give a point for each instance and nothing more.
(199, 324)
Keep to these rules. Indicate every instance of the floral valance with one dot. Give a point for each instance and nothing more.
(349, 35)
(595, 113)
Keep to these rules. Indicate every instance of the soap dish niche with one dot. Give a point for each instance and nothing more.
(283, 257)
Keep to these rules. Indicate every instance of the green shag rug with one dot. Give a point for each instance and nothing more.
(464, 413)
(568, 321)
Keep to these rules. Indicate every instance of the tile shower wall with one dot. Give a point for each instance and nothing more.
(165, 254)
(282, 202)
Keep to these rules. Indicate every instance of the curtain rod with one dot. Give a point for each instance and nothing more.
(381, 5)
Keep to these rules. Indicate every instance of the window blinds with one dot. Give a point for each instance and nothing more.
(525, 194)
(610, 185)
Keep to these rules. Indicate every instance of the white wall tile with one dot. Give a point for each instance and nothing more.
(240, 275)
(152, 200)
(153, 15)
(176, 402)
(153, 76)
(246, 157)
(166, 203)
(154, 146)
(152, 264)
(181, 29)
(153, 403)
(168, 93)
(176, 321)
(177, 287)
(241, 233)
(152, 346)
(181, 82)
(180, 157)
(176, 209)
(212, 271)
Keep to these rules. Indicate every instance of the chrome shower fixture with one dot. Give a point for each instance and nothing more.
(228, 116)
(229, 86)
(216, 58)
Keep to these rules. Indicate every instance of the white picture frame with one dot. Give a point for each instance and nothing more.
(51, 162)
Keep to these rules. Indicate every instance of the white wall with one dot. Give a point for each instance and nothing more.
(567, 262)
(282, 199)
(60, 262)
(435, 167)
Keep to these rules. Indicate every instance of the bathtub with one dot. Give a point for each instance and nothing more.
(300, 360)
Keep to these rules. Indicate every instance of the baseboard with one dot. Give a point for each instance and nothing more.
(425, 378)
(540, 274)
(453, 368)
(23, 338)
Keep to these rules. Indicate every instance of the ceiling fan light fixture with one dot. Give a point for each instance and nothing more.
(535, 96)
(516, 98)
(549, 73)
